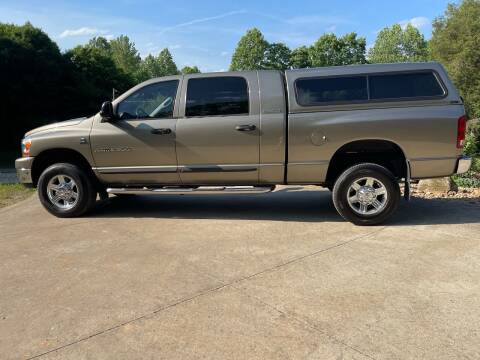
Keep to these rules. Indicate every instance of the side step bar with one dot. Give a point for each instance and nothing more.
(201, 190)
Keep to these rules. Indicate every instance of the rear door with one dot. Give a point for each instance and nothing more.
(218, 130)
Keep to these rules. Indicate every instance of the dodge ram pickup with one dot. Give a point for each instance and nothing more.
(358, 130)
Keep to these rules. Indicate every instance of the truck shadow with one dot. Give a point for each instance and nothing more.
(420, 211)
(284, 205)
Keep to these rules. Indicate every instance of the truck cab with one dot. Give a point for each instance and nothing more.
(195, 129)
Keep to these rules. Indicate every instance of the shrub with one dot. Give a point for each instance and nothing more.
(470, 178)
(472, 138)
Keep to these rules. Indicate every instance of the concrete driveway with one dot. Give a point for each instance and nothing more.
(274, 276)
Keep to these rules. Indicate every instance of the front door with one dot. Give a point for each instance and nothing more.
(139, 146)
(218, 131)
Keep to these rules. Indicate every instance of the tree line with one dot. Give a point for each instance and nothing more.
(41, 84)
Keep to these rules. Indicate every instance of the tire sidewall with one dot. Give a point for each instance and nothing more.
(344, 182)
(84, 185)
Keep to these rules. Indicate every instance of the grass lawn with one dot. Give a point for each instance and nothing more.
(12, 193)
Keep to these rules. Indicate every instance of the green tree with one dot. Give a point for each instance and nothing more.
(250, 52)
(157, 66)
(331, 50)
(394, 44)
(94, 75)
(300, 58)
(456, 44)
(167, 65)
(32, 73)
(124, 54)
(101, 43)
(190, 70)
(149, 68)
(276, 57)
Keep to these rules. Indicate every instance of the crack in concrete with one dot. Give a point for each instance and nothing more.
(293, 315)
(216, 288)
(305, 322)
(299, 258)
(146, 316)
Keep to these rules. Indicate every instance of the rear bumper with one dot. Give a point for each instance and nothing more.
(24, 169)
(463, 164)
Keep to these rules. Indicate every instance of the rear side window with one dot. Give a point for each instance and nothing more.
(316, 91)
(398, 86)
(226, 95)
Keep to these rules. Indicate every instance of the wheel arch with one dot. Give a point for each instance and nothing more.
(383, 152)
(58, 155)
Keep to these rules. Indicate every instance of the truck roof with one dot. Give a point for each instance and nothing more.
(369, 68)
(326, 70)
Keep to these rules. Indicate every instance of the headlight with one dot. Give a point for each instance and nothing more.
(26, 144)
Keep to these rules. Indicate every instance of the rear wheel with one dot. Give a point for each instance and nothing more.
(66, 191)
(366, 194)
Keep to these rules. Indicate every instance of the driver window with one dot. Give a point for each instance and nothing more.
(152, 101)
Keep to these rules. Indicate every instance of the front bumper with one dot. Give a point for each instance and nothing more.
(463, 165)
(24, 169)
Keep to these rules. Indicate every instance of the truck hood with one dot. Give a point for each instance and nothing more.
(56, 125)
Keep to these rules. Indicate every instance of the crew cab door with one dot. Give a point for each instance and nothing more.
(218, 131)
(139, 146)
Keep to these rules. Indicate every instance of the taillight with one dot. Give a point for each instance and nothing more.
(461, 129)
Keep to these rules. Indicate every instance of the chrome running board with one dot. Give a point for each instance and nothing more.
(201, 190)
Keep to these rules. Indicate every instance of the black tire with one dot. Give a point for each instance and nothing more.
(85, 187)
(341, 191)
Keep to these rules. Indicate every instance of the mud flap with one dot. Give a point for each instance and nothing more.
(407, 189)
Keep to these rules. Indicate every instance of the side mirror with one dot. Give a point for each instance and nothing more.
(106, 111)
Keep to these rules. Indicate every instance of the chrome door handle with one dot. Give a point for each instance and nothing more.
(245, 127)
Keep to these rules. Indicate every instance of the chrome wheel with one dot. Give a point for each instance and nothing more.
(367, 196)
(63, 192)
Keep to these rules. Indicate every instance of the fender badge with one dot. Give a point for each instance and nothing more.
(115, 149)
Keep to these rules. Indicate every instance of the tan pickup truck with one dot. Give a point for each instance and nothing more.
(357, 130)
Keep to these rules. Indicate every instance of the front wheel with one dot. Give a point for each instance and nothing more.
(366, 194)
(66, 191)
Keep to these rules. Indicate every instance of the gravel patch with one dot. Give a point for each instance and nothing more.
(462, 194)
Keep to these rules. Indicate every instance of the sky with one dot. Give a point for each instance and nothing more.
(205, 33)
